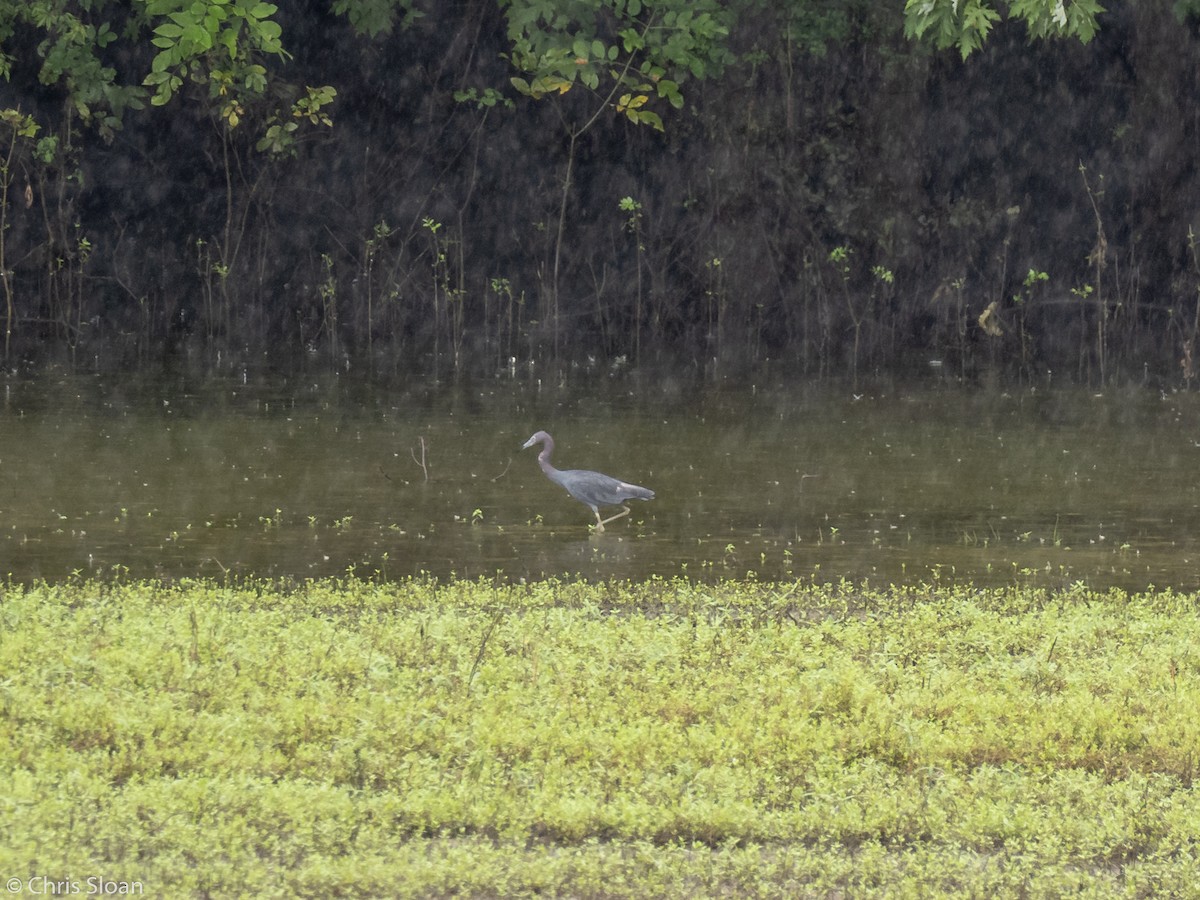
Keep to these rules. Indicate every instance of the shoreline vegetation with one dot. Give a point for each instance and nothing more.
(991, 191)
(660, 738)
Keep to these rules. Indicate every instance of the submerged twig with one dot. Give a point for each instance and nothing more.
(217, 562)
(420, 462)
(505, 472)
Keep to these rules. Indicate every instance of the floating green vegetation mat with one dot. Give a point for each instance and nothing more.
(613, 740)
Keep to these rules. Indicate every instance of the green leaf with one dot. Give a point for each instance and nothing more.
(669, 90)
(270, 30)
(646, 117)
(632, 41)
(199, 37)
(163, 61)
(547, 84)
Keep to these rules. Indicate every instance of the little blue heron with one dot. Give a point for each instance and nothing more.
(589, 488)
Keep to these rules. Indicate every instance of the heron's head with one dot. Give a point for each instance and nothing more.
(540, 437)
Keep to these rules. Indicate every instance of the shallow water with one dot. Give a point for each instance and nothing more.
(307, 479)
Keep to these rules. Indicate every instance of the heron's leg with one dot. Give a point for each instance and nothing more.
(624, 512)
(599, 524)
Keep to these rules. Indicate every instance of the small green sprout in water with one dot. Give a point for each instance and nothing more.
(476, 516)
(840, 257)
(1032, 279)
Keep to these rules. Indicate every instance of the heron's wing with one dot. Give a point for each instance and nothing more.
(597, 489)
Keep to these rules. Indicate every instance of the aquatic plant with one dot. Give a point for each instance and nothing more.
(665, 738)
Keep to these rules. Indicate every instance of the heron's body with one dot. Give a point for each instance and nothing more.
(593, 489)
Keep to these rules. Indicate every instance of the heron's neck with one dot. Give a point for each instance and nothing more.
(544, 455)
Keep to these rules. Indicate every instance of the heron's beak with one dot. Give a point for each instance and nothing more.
(527, 444)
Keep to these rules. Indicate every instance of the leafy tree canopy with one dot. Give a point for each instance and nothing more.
(633, 55)
(965, 24)
(638, 49)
